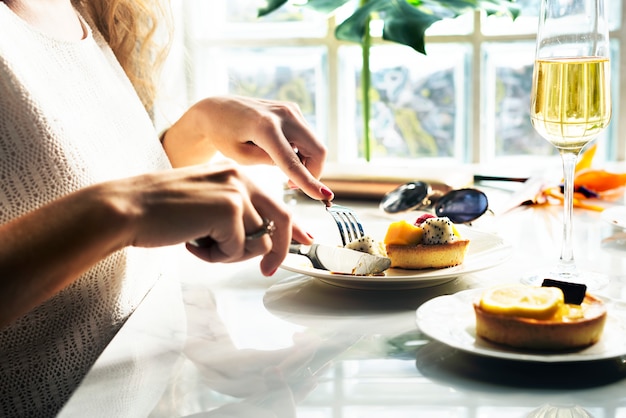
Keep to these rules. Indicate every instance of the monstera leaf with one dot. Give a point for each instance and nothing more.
(324, 6)
(404, 22)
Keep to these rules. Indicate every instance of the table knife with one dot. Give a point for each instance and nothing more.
(341, 260)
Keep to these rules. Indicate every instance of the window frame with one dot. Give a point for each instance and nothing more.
(481, 153)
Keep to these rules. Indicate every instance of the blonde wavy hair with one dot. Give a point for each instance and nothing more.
(139, 33)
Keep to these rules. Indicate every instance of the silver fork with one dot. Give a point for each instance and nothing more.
(348, 223)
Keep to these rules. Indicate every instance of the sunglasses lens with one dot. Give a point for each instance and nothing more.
(463, 205)
(405, 197)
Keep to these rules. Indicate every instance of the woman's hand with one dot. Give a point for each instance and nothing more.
(69, 235)
(250, 131)
(214, 202)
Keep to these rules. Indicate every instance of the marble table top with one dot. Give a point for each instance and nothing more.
(225, 341)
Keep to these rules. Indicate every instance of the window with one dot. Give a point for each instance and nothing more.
(464, 103)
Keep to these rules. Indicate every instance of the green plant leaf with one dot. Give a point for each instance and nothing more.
(453, 8)
(323, 6)
(270, 7)
(405, 21)
(326, 6)
(500, 7)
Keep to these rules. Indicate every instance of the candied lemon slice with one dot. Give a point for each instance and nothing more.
(525, 301)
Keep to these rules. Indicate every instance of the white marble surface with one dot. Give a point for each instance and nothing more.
(293, 346)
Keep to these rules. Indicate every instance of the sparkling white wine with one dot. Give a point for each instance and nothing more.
(571, 100)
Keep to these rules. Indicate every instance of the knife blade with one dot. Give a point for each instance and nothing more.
(341, 260)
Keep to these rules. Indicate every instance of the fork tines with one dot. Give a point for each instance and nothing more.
(349, 225)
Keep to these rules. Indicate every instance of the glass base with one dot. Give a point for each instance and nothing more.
(593, 280)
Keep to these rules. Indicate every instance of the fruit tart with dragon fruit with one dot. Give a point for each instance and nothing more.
(429, 242)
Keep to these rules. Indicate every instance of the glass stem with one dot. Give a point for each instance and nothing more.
(567, 248)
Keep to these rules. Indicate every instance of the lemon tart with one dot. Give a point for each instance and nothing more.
(537, 317)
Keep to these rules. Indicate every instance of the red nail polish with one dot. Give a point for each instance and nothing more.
(326, 192)
(309, 235)
(272, 273)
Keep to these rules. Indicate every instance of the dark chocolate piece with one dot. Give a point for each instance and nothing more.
(574, 292)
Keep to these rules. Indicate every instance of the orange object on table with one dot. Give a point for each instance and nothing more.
(599, 180)
(604, 184)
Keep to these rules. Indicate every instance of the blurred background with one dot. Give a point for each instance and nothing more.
(463, 105)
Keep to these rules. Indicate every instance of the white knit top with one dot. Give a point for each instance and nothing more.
(69, 117)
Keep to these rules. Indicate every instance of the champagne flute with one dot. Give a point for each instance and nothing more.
(571, 99)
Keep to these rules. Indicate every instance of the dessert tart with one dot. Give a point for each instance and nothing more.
(431, 242)
(539, 317)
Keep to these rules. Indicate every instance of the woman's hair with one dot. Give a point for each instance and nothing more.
(139, 33)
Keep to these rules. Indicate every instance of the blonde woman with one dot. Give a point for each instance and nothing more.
(89, 194)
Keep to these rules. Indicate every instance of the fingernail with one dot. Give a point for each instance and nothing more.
(272, 273)
(326, 191)
(309, 235)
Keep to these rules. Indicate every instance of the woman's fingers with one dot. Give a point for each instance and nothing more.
(280, 246)
(302, 167)
(281, 235)
(256, 225)
(293, 147)
(239, 239)
(221, 214)
(276, 132)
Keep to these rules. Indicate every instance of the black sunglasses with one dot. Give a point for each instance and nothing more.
(460, 206)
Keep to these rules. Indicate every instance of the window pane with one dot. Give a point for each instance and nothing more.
(288, 74)
(507, 78)
(608, 140)
(615, 14)
(422, 106)
(527, 22)
(238, 19)
(461, 25)
(418, 103)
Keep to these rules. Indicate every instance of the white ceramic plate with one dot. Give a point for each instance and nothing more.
(484, 251)
(615, 216)
(450, 319)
